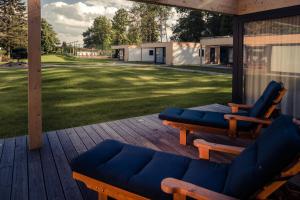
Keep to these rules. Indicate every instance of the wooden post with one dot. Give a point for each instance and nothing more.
(34, 75)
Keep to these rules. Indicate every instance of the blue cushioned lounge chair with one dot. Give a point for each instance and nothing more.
(251, 120)
(124, 171)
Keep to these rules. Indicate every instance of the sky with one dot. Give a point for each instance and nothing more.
(70, 18)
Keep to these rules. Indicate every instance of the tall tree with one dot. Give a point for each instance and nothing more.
(120, 24)
(148, 22)
(99, 35)
(49, 39)
(190, 26)
(134, 30)
(13, 24)
(193, 24)
(164, 13)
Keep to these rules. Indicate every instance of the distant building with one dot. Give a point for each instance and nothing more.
(217, 50)
(170, 53)
(84, 52)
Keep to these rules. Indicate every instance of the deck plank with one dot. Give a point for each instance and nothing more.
(20, 171)
(46, 173)
(85, 138)
(36, 185)
(81, 148)
(142, 141)
(52, 181)
(70, 187)
(6, 168)
(70, 153)
(93, 134)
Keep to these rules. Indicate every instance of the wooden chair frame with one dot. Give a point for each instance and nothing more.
(180, 189)
(232, 131)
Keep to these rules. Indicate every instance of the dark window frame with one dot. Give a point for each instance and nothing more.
(238, 44)
(151, 52)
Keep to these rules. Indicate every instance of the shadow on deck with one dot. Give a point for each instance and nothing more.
(45, 174)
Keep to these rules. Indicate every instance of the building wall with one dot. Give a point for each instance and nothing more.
(145, 55)
(186, 53)
(134, 54)
(167, 45)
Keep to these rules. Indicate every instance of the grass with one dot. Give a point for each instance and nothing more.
(65, 60)
(207, 68)
(87, 94)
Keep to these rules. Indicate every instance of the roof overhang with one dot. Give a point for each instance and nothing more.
(234, 7)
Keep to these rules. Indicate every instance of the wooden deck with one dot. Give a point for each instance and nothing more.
(45, 174)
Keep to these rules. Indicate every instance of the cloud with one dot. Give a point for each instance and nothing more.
(70, 18)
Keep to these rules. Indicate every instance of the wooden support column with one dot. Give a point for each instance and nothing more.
(34, 75)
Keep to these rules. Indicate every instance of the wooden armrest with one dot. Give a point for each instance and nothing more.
(235, 107)
(183, 189)
(248, 119)
(205, 147)
(244, 106)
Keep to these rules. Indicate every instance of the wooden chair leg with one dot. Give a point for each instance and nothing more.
(203, 153)
(183, 136)
(177, 196)
(102, 196)
(232, 132)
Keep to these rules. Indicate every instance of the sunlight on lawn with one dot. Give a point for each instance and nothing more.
(76, 96)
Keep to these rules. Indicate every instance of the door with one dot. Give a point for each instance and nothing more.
(160, 55)
(212, 55)
(121, 54)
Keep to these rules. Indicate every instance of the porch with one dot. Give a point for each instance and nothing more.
(46, 174)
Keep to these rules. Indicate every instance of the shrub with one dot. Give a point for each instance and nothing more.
(19, 53)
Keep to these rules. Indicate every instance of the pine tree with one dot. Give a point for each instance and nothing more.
(13, 24)
(120, 24)
(49, 39)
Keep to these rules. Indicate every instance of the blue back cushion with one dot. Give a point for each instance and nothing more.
(274, 150)
(266, 99)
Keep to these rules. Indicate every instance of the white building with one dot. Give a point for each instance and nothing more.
(212, 50)
(170, 53)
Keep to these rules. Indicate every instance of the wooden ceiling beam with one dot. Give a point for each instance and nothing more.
(250, 6)
(224, 6)
(236, 7)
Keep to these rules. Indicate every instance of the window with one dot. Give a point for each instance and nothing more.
(151, 52)
(271, 52)
(201, 52)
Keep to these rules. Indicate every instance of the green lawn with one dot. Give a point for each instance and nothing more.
(206, 68)
(86, 94)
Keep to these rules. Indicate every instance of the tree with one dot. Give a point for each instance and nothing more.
(134, 30)
(49, 39)
(13, 24)
(120, 24)
(190, 26)
(148, 22)
(218, 24)
(164, 13)
(99, 35)
(194, 24)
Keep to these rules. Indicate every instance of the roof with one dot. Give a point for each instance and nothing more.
(217, 41)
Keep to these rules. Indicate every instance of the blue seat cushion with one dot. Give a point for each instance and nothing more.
(274, 150)
(202, 118)
(266, 99)
(141, 170)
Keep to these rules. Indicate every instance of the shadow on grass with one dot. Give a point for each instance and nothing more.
(87, 95)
